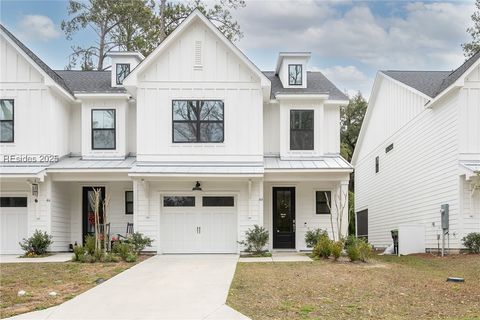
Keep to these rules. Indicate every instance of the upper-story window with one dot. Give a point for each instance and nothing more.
(377, 164)
(103, 129)
(295, 74)
(301, 129)
(6, 120)
(123, 69)
(197, 121)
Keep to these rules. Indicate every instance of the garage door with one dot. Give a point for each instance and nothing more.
(13, 224)
(198, 224)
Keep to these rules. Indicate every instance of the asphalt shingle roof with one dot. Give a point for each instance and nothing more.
(316, 83)
(52, 74)
(89, 81)
(431, 83)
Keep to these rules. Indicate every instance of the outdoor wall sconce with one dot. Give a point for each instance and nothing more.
(197, 187)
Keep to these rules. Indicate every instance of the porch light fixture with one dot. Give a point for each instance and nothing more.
(197, 187)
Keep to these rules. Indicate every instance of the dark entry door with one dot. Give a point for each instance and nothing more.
(88, 216)
(284, 218)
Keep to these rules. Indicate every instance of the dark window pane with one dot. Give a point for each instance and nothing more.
(377, 164)
(103, 139)
(129, 208)
(6, 131)
(178, 201)
(301, 119)
(103, 119)
(301, 140)
(6, 109)
(295, 74)
(362, 224)
(217, 201)
(13, 202)
(211, 132)
(184, 131)
(184, 110)
(211, 110)
(323, 199)
(301, 129)
(129, 196)
(123, 69)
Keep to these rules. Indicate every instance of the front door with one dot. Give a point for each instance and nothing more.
(88, 216)
(284, 218)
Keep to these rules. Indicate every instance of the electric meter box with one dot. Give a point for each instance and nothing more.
(444, 211)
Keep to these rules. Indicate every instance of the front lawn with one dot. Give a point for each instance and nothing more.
(410, 287)
(68, 279)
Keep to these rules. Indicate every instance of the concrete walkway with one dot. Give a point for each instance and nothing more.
(162, 287)
(279, 257)
(56, 257)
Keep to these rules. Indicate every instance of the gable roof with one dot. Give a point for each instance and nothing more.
(431, 83)
(89, 81)
(316, 83)
(45, 68)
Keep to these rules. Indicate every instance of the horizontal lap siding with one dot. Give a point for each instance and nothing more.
(415, 178)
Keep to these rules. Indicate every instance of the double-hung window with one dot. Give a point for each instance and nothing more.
(301, 129)
(197, 121)
(128, 202)
(295, 74)
(6, 120)
(323, 200)
(123, 69)
(103, 129)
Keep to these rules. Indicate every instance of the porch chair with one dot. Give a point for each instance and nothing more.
(129, 232)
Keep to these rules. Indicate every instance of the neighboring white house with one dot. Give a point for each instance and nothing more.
(194, 145)
(418, 149)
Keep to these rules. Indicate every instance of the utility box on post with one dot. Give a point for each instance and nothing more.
(444, 211)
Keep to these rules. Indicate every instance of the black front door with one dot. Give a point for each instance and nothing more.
(284, 218)
(88, 216)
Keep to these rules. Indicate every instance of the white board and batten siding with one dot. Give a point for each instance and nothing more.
(416, 177)
(469, 115)
(217, 75)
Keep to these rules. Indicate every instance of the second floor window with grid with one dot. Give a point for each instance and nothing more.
(6, 120)
(301, 129)
(123, 69)
(103, 129)
(294, 74)
(197, 121)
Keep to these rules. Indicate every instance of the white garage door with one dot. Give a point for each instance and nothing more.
(198, 224)
(13, 224)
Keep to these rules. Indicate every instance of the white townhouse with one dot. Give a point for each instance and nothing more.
(419, 149)
(194, 145)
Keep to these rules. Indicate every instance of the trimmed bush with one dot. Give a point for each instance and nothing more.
(124, 250)
(312, 237)
(255, 240)
(78, 252)
(90, 244)
(37, 244)
(358, 249)
(353, 252)
(472, 242)
(139, 242)
(323, 248)
(365, 250)
(336, 248)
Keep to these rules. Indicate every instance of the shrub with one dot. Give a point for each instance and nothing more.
(312, 237)
(255, 239)
(353, 252)
(139, 242)
(472, 242)
(365, 250)
(78, 252)
(90, 244)
(124, 250)
(37, 244)
(337, 248)
(323, 248)
(109, 257)
(131, 257)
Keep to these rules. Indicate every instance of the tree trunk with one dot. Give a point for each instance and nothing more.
(101, 48)
(162, 32)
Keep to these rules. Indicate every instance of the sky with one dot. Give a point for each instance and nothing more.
(349, 40)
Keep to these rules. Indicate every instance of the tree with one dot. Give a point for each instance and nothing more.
(351, 119)
(137, 25)
(472, 47)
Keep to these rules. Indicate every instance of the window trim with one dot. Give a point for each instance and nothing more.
(12, 121)
(301, 74)
(116, 72)
(126, 202)
(377, 164)
(104, 129)
(198, 121)
(290, 130)
(315, 214)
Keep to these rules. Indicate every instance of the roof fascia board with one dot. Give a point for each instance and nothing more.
(301, 96)
(102, 95)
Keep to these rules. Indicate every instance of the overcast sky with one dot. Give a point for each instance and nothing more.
(349, 40)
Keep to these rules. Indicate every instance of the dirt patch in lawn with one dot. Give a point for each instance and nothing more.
(67, 279)
(410, 287)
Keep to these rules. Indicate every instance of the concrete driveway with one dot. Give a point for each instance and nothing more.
(162, 287)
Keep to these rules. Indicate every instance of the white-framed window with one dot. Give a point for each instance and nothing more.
(7, 120)
(121, 72)
(103, 129)
(301, 129)
(295, 74)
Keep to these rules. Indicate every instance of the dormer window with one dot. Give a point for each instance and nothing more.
(295, 74)
(123, 69)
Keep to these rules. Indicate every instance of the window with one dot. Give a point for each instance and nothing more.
(103, 129)
(377, 164)
(362, 224)
(389, 148)
(128, 202)
(13, 202)
(197, 121)
(323, 201)
(6, 120)
(176, 201)
(123, 69)
(301, 129)
(294, 74)
(217, 201)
